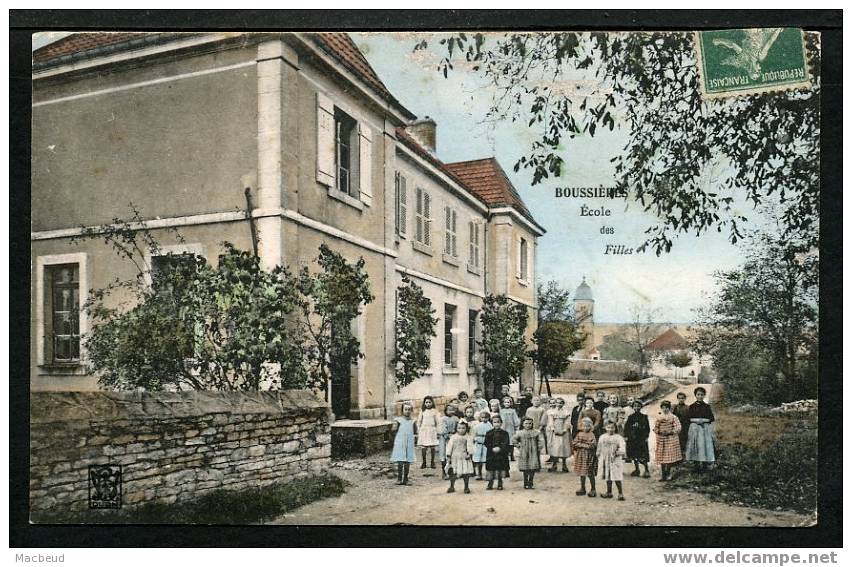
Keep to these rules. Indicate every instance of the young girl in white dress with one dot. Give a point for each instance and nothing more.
(460, 457)
(611, 452)
(427, 428)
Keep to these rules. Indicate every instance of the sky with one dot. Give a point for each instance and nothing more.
(674, 283)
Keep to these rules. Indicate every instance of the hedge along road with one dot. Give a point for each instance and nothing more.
(376, 499)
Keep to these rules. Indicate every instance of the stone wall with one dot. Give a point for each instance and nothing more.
(172, 446)
(598, 370)
(637, 389)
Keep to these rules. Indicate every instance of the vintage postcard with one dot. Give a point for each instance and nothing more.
(419, 278)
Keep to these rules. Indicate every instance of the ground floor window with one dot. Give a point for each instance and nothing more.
(449, 335)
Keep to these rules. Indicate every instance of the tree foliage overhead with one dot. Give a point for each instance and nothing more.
(695, 164)
(415, 327)
(503, 344)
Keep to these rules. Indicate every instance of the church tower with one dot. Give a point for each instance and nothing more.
(584, 315)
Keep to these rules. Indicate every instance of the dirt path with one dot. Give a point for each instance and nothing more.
(376, 499)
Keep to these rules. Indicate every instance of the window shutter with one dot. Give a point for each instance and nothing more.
(427, 219)
(455, 237)
(530, 256)
(403, 206)
(365, 162)
(325, 140)
(518, 259)
(470, 253)
(396, 201)
(447, 234)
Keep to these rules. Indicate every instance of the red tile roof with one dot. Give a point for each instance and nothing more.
(342, 48)
(80, 42)
(337, 44)
(670, 340)
(487, 179)
(422, 152)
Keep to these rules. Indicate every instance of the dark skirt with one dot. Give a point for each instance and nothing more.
(637, 450)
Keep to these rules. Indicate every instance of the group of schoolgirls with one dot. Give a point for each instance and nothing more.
(598, 433)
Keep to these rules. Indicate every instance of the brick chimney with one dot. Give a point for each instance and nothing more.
(425, 132)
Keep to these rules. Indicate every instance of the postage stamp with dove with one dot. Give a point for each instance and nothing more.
(748, 61)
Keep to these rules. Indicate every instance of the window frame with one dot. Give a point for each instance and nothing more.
(423, 218)
(523, 260)
(450, 349)
(450, 232)
(42, 263)
(401, 205)
(341, 119)
(472, 328)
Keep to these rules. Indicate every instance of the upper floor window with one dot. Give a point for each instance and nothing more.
(474, 228)
(345, 143)
(401, 205)
(523, 260)
(344, 154)
(423, 217)
(62, 313)
(450, 240)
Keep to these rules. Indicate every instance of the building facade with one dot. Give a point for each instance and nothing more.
(183, 126)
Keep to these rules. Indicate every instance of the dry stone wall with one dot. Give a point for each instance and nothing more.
(172, 446)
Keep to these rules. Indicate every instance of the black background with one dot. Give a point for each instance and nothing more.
(827, 532)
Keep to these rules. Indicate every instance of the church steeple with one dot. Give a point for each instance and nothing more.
(584, 316)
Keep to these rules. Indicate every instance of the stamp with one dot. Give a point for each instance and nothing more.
(104, 486)
(749, 61)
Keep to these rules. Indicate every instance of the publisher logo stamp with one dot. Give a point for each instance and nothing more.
(739, 62)
(104, 486)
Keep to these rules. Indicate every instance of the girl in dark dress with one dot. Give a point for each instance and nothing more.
(497, 453)
(636, 431)
(681, 410)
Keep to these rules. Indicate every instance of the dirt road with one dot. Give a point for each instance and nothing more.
(376, 499)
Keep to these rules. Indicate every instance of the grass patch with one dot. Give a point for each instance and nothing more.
(236, 507)
(767, 461)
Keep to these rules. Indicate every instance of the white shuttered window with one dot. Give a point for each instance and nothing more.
(450, 239)
(423, 217)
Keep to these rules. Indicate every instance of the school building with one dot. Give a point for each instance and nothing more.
(182, 125)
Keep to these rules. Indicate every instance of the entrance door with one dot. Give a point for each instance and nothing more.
(341, 397)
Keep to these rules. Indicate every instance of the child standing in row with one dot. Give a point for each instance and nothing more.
(700, 444)
(494, 407)
(469, 417)
(403, 443)
(536, 413)
(460, 458)
(528, 442)
(584, 445)
(615, 413)
(667, 430)
(446, 429)
(511, 422)
(611, 451)
(558, 430)
(479, 450)
(427, 426)
(593, 414)
(480, 402)
(636, 430)
(497, 456)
